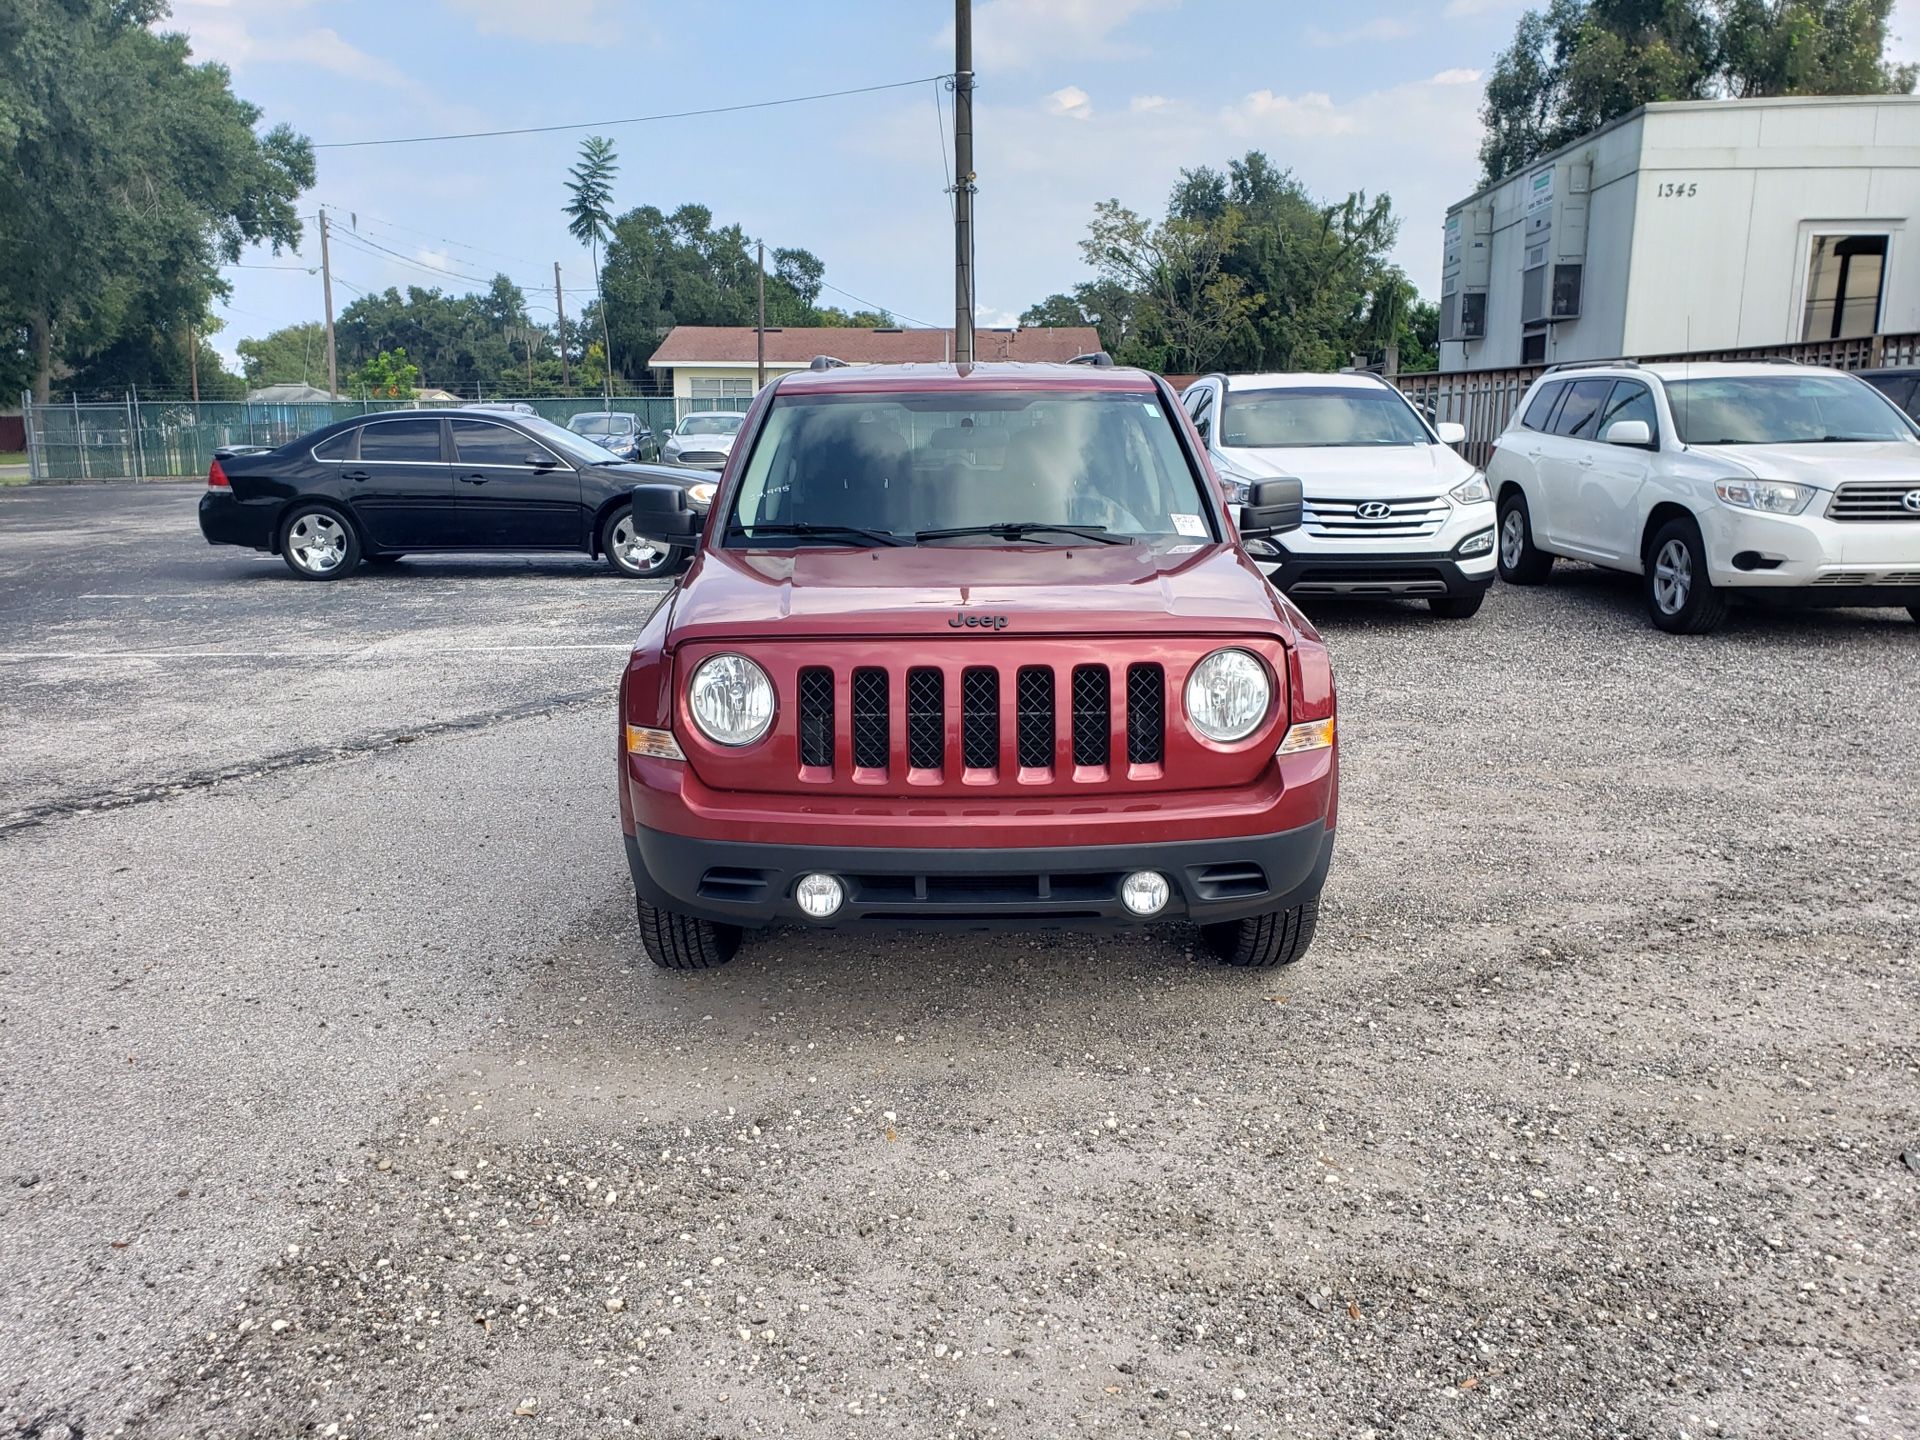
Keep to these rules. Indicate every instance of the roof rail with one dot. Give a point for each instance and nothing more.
(1617, 363)
(1367, 373)
(1098, 358)
(826, 362)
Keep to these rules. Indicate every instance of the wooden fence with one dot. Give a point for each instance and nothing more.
(1484, 400)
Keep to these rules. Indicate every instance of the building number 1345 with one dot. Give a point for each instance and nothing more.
(1678, 189)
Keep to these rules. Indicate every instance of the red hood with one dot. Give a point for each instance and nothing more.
(922, 590)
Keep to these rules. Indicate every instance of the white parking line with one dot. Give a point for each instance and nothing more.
(377, 649)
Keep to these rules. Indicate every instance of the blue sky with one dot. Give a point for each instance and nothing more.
(1078, 101)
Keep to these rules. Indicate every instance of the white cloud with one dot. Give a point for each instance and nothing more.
(1375, 32)
(565, 22)
(242, 33)
(1460, 76)
(1142, 104)
(1071, 101)
(1019, 34)
(1292, 116)
(1464, 9)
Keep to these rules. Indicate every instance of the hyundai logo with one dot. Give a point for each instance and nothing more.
(1379, 510)
(1911, 501)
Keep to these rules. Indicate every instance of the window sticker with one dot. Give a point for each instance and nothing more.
(1189, 525)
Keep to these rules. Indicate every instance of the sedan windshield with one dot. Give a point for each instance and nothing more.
(601, 424)
(1317, 416)
(711, 424)
(1782, 410)
(1014, 468)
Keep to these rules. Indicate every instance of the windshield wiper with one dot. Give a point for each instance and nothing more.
(842, 532)
(1021, 529)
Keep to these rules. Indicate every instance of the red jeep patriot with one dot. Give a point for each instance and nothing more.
(974, 645)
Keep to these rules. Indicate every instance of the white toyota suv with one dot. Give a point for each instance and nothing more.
(1390, 508)
(1768, 481)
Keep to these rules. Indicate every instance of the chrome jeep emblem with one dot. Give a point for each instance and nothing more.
(1374, 510)
(1911, 501)
(978, 622)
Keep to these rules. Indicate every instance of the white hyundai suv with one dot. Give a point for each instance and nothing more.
(1759, 480)
(1390, 508)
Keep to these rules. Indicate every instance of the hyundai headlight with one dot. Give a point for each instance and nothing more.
(701, 494)
(1238, 491)
(1228, 694)
(731, 699)
(1472, 491)
(1772, 497)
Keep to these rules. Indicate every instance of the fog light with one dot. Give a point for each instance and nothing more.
(1144, 892)
(1476, 544)
(819, 895)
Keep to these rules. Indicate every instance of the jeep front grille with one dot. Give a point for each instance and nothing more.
(1078, 741)
(1403, 519)
(1873, 500)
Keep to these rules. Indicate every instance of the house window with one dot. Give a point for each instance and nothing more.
(1844, 276)
(707, 387)
(1533, 347)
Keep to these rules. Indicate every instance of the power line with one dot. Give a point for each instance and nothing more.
(876, 305)
(631, 120)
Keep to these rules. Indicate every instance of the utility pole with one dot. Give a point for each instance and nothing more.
(560, 308)
(326, 290)
(760, 332)
(963, 182)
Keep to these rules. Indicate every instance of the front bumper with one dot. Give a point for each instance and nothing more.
(1379, 572)
(1746, 550)
(748, 884)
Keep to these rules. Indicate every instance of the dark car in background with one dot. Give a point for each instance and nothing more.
(378, 487)
(1901, 386)
(624, 435)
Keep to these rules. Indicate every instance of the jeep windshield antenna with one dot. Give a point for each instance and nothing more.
(963, 182)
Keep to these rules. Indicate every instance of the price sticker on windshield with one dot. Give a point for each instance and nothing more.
(1189, 525)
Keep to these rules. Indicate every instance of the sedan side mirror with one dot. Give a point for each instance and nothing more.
(1273, 508)
(1451, 432)
(1629, 432)
(660, 512)
(540, 460)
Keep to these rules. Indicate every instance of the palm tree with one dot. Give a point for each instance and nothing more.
(590, 222)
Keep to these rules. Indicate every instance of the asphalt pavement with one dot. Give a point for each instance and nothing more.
(336, 1097)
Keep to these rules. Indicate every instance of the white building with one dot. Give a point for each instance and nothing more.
(1702, 225)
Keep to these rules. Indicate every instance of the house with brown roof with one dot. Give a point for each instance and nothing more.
(716, 363)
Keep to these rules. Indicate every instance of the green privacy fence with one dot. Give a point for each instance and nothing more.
(131, 438)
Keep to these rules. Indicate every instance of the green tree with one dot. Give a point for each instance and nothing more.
(459, 342)
(293, 354)
(127, 175)
(590, 193)
(1577, 64)
(387, 376)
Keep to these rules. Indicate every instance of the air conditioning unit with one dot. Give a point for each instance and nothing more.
(1473, 315)
(1466, 271)
(1553, 272)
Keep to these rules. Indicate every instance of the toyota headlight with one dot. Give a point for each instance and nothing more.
(1227, 695)
(1472, 491)
(731, 699)
(1774, 497)
(701, 494)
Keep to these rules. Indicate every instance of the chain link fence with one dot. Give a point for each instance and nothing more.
(134, 439)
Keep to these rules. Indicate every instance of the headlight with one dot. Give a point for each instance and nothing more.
(1472, 491)
(1775, 497)
(1239, 492)
(700, 494)
(731, 699)
(1227, 695)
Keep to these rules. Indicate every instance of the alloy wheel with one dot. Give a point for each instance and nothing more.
(1672, 577)
(636, 552)
(1513, 539)
(317, 542)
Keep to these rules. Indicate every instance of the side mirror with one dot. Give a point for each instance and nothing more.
(1451, 432)
(1273, 508)
(540, 460)
(1628, 432)
(660, 511)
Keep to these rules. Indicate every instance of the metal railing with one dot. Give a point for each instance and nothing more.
(130, 438)
(1484, 400)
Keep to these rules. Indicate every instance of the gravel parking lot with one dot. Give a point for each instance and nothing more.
(337, 1098)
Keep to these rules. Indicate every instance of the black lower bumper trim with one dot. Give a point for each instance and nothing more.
(1382, 574)
(735, 883)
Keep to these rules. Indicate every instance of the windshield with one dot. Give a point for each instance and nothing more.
(1782, 410)
(711, 424)
(601, 424)
(558, 437)
(1318, 415)
(895, 467)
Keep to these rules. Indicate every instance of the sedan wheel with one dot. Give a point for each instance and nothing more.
(319, 544)
(632, 553)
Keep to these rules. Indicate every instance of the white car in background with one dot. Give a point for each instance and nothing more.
(703, 439)
(1391, 509)
(1758, 480)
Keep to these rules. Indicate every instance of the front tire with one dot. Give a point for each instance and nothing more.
(680, 942)
(633, 554)
(318, 543)
(1457, 607)
(1681, 598)
(1521, 561)
(1279, 937)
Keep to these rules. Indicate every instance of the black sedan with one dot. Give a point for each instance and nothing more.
(377, 487)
